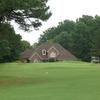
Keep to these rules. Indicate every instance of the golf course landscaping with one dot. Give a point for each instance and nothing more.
(50, 81)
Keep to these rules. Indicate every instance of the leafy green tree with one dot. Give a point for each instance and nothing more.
(96, 39)
(78, 36)
(95, 50)
(4, 50)
(11, 40)
(35, 45)
(47, 35)
(63, 39)
(82, 38)
(26, 13)
(25, 45)
(64, 27)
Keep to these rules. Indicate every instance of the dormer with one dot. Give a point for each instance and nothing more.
(44, 52)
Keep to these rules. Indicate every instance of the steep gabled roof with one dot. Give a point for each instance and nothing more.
(27, 53)
(64, 54)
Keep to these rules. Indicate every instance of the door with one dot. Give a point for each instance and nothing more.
(36, 61)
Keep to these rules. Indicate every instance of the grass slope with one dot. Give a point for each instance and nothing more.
(50, 81)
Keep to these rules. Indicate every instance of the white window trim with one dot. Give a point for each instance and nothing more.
(44, 52)
(53, 55)
(55, 49)
(35, 54)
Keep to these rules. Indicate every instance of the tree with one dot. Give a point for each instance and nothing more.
(64, 39)
(96, 40)
(26, 13)
(25, 45)
(66, 26)
(9, 41)
(4, 50)
(35, 45)
(47, 35)
(83, 36)
(77, 36)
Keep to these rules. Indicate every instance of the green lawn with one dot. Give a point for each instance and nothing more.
(50, 81)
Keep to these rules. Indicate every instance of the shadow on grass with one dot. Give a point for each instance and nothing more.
(9, 81)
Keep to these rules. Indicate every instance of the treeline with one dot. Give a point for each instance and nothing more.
(26, 13)
(11, 44)
(81, 37)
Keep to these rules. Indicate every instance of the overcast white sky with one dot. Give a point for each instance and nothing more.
(61, 10)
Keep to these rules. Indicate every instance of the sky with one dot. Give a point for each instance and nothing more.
(62, 10)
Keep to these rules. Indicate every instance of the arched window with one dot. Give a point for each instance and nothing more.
(44, 52)
(53, 55)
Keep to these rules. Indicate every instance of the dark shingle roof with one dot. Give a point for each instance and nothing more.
(64, 54)
(27, 53)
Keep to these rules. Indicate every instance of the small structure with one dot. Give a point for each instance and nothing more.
(95, 59)
(47, 52)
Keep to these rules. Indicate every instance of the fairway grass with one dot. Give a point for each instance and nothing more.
(50, 81)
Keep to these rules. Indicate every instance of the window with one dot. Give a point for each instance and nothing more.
(44, 52)
(52, 55)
